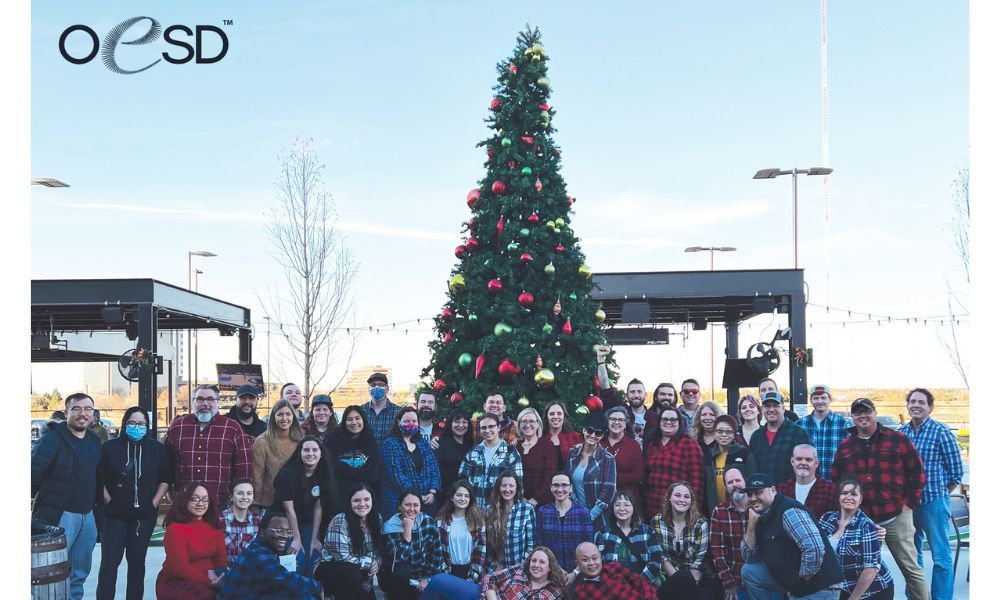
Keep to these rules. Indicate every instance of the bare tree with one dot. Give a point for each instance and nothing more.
(960, 238)
(312, 306)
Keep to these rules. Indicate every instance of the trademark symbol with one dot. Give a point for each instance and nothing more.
(227, 21)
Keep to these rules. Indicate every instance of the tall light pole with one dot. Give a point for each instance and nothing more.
(194, 347)
(794, 172)
(192, 253)
(711, 331)
(267, 383)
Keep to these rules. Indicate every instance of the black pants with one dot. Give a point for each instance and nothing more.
(343, 580)
(886, 594)
(131, 539)
(682, 586)
(396, 588)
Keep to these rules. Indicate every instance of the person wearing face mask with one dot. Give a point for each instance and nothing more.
(258, 572)
(241, 523)
(136, 472)
(410, 464)
(379, 412)
(208, 447)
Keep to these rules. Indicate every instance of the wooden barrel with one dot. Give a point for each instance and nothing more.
(49, 565)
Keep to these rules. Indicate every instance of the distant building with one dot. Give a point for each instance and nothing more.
(354, 390)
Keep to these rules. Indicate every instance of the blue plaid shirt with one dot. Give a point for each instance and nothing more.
(381, 423)
(484, 476)
(941, 456)
(258, 573)
(825, 437)
(858, 549)
(562, 534)
(519, 538)
(798, 524)
(614, 547)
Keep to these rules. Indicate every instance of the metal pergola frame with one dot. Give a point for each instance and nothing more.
(703, 297)
(75, 305)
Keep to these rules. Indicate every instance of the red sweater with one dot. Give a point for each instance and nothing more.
(629, 463)
(193, 549)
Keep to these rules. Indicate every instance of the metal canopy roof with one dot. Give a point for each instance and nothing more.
(75, 305)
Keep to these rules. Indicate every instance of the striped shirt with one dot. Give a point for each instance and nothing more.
(825, 436)
(941, 456)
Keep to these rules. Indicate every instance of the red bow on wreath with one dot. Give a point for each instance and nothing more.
(801, 357)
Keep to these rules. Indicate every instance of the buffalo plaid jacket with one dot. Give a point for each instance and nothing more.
(680, 460)
(212, 456)
(402, 475)
(520, 535)
(822, 497)
(776, 459)
(727, 528)
(478, 549)
(615, 583)
(239, 534)
(600, 479)
(562, 534)
(482, 476)
(888, 467)
(611, 543)
(513, 583)
(259, 573)
(690, 551)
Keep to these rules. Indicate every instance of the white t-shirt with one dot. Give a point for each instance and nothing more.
(459, 542)
(802, 491)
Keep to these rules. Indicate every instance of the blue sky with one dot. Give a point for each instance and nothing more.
(664, 112)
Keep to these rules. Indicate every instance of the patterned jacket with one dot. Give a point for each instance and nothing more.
(600, 479)
(478, 549)
(258, 573)
(776, 459)
(680, 460)
(826, 437)
(888, 467)
(822, 496)
(690, 550)
(482, 476)
(727, 528)
(614, 583)
(562, 534)
(611, 543)
(213, 456)
(423, 551)
(239, 534)
(940, 455)
(401, 474)
(858, 549)
(337, 546)
(520, 536)
(513, 583)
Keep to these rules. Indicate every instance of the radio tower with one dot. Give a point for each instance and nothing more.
(826, 163)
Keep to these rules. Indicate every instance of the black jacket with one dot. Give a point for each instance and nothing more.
(253, 429)
(131, 472)
(53, 461)
(784, 558)
(739, 456)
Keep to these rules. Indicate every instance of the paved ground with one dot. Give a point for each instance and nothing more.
(154, 560)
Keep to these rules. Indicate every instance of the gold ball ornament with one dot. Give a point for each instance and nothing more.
(585, 271)
(523, 402)
(456, 283)
(544, 83)
(599, 316)
(545, 378)
(560, 222)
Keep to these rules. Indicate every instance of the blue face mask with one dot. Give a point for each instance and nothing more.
(135, 432)
(409, 430)
(377, 393)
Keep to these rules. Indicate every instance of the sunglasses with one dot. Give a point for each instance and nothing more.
(594, 431)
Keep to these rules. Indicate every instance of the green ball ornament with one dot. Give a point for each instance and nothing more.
(501, 328)
(546, 329)
(572, 295)
(550, 269)
(526, 171)
(511, 247)
(523, 402)
(550, 225)
(505, 142)
(599, 315)
(544, 83)
(473, 318)
(464, 359)
(582, 410)
(524, 232)
(560, 222)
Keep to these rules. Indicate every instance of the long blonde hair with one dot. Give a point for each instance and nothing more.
(496, 517)
(696, 429)
(271, 433)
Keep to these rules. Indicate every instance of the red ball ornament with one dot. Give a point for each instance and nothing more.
(570, 200)
(533, 218)
(511, 164)
(526, 299)
(512, 68)
(499, 188)
(538, 185)
(594, 403)
(527, 139)
(560, 248)
(508, 369)
(472, 197)
(495, 104)
(457, 397)
(439, 385)
(490, 153)
(543, 106)
(448, 336)
(538, 150)
(567, 327)
(526, 258)
(472, 244)
(480, 361)
(471, 223)
(494, 286)
(447, 313)
(459, 251)
(500, 226)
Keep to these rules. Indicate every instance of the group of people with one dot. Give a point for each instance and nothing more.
(673, 500)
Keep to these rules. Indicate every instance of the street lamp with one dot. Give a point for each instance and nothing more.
(192, 253)
(794, 172)
(711, 332)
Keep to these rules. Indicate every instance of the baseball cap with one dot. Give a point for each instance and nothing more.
(758, 481)
(378, 377)
(819, 389)
(772, 396)
(247, 390)
(864, 404)
(322, 399)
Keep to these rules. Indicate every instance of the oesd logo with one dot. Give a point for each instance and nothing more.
(185, 43)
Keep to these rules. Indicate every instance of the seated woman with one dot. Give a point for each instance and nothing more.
(463, 542)
(352, 550)
(853, 535)
(510, 524)
(683, 536)
(629, 541)
(195, 548)
(240, 523)
(539, 577)
(258, 572)
(413, 550)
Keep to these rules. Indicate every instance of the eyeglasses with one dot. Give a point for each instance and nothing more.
(669, 420)
(593, 431)
(689, 392)
(206, 399)
(617, 420)
(135, 423)
(529, 422)
(199, 500)
(724, 432)
(89, 410)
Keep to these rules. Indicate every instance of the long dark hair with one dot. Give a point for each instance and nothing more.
(179, 512)
(655, 436)
(496, 516)
(128, 413)
(341, 439)
(373, 521)
(458, 413)
(323, 474)
(394, 432)
(474, 517)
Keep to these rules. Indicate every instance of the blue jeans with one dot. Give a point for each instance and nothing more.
(760, 585)
(81, 537)
(932, 521)
(306, 556)
(445, 586)
(742, 595)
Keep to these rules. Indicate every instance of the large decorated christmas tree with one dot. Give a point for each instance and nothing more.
(519, 317)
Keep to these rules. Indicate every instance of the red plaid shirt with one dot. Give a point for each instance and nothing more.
(615, 583)
(212, 456)
(239, 534)
(513, 583)
(888, 467)
(725, 535)
(822, 496)
(680, 459)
